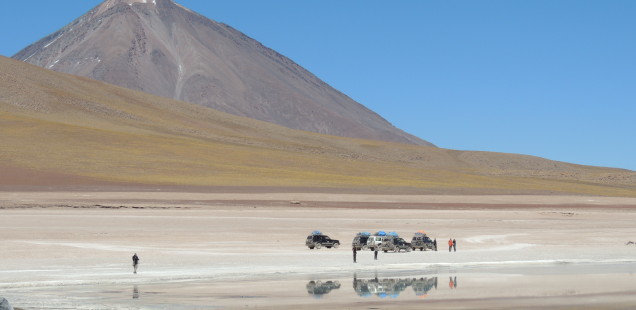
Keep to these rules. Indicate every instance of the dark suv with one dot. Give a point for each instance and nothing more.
(423, 242)
(360, 241)
(395, 244)
(319, 240)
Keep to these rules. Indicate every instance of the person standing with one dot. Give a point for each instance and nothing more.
(450, 244)
(454, 245)
(355, 253)
(375, 253)
(135, 260)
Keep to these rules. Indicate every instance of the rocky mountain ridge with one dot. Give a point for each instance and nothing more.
(165, 49)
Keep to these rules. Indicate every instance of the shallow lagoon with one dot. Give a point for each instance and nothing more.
(594, 286)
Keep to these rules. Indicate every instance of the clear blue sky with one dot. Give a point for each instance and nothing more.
(550, 78)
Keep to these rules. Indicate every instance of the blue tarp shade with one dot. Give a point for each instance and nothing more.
(394, 234)
(316, 232)
(381, 233)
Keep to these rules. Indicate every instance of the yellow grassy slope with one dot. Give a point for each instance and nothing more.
(66, 124)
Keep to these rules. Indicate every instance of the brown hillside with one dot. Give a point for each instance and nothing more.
(71, 130)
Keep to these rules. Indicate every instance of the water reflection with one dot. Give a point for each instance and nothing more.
(135, 292)
(319, 288)
(452, 283)
(390, 287)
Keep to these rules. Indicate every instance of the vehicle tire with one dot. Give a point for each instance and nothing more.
(311, 247)
(385, 251)
(408, 249)
(318, 245)
(336, 245)
(413, 249)
(328, 247)
(421, 249)
(365, 247)
(396, 250)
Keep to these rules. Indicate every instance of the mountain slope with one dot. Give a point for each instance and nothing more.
(59, 129)
(164, 49)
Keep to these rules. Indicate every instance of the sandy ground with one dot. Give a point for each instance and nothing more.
(71, 250)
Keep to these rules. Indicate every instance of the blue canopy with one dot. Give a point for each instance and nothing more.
(316, 232)
(381, 233)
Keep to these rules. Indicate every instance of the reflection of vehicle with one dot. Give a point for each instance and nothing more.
(422, 286)
(395, 244)
(392, 287)
(318, 288)
(360, 241)
(318, 240)
(423, 242)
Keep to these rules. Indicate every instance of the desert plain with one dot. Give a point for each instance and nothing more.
(203, 250)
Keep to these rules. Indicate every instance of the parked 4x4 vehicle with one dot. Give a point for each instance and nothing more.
(318, 240)
(375, 240)
(393, 242)
(423, 242)
(360, 241)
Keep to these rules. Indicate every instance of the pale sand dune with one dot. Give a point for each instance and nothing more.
(64, 245)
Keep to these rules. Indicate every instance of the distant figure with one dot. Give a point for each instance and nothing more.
(135, 259)
(355, 252)
(375, 253)
(450, 244)
(454, 245)
(135, 292)
(435, 243)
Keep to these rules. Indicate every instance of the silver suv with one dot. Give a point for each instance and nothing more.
(374, 242)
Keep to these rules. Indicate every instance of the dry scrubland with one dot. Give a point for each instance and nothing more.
(66, 130)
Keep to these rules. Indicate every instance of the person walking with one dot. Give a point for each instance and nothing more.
(450, 244)
(135, 260)
(454, 245)
(355, 253)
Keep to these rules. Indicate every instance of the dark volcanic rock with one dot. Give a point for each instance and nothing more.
(160, 47)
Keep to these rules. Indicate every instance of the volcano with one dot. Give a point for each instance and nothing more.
(162, 48)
